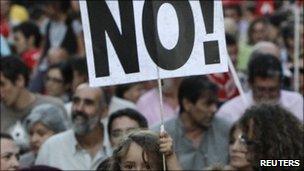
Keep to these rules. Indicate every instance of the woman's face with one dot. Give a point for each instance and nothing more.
(238, 151)
(133, 160)
(54, 84)
(38, 135)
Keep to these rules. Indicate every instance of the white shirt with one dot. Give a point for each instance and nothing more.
(233, 109)
(119, 103)
(62, 151)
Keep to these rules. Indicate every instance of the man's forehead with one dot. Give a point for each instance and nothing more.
(84, 90)
(124, 128)
(267, 80)
(124, 123)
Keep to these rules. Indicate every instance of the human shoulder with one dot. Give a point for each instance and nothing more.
(60, 138)
(221, 125)
(149, 95)
(171, 123)
(169, 126)
(232, 110)
(47, 99)
(230, 104)
(291, 96)
(229, 107)
(236, 105)
(119, 103)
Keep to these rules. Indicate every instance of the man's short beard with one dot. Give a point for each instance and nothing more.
(86, 126)
(198, 124)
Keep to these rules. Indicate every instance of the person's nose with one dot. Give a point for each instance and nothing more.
(80, 106)
(34, 138)
(236, 146)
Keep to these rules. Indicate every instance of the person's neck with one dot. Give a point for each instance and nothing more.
(192, 130)
(25, 99)
(92, 139)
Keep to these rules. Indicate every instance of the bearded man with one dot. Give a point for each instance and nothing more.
(82, 147)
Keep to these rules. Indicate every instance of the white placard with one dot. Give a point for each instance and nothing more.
(128, 41)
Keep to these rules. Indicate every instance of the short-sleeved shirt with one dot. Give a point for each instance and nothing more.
(234, 109)
(213, 148)
(63, 151)
(148, 105)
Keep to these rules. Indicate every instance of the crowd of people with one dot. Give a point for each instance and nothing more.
(51, 119)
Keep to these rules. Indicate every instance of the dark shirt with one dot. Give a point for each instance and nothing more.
(213, 148)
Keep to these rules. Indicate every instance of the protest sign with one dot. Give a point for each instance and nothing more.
(131, 41)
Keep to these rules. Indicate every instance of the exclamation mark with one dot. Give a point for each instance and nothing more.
(211, 48)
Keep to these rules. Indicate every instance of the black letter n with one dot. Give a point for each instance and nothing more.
(102, 21)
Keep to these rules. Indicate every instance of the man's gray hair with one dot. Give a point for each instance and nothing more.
(50, 115)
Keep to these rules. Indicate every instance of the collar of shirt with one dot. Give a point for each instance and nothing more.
(75, 147)
(180, 131)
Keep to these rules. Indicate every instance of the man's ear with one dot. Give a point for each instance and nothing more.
(20, 82)
(187, 105)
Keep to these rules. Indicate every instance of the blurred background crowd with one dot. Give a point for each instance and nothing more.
(47, 107)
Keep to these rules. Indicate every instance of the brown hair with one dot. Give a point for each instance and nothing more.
(148, 141)
(272, 133)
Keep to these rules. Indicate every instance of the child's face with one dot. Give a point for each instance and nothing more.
(134, 159)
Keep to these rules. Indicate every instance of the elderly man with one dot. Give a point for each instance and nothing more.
(80, 148)
(265, 79)
(9, 153)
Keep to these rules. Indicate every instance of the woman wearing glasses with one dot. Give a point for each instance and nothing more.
(58, 81)
(265, 132)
